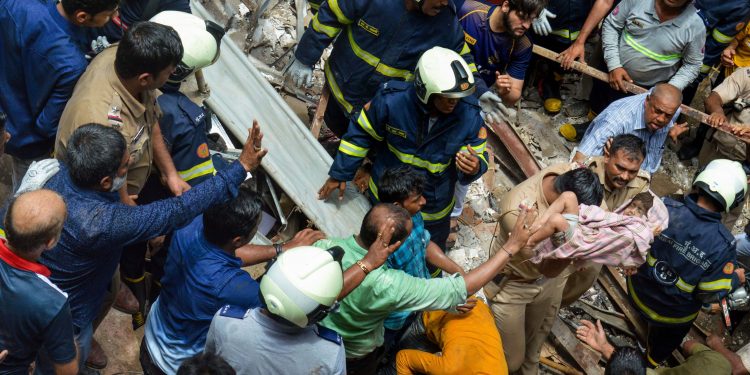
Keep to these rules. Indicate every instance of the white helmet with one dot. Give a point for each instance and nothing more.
(725, 181)
(443, 71)
(201, 41)
(302, 284)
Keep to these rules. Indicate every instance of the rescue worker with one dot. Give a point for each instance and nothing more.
(734, 92)
(380, 40)
(184, 126)
(686, 268)
(39, 66)
(298, 291)
(647, 42)
(723, 21)
(433, 124)
(564, 26)
(132, 11)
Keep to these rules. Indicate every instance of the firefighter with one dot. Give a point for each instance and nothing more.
(692, 262)
(433, 124)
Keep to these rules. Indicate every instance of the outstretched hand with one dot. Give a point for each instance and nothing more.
(329, 186)
(382, 247)
(252, 152)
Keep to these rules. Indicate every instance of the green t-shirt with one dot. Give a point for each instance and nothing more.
(702, 360)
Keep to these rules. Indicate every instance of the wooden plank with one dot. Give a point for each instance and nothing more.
(617, 294)
(320, 112)
(516, 147)
(585, 357)
(635, 89)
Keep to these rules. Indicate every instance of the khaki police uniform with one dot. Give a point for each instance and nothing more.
(722, 145)
(579, 282)
(524, 303)
(100, 97)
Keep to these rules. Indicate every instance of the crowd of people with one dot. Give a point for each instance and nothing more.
(112, 164)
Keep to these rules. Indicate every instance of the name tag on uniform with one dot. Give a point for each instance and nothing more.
(367, 27)
(234, 312)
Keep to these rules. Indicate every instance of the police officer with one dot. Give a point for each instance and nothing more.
(376, 41)
(723, 20)
(433, 124)
(297, 292)
(41, 63)
(564, 26)
(692, 262)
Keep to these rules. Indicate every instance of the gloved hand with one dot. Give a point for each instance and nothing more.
(493, 109)
(301, 74)
(99, 44)
(38, 174)
(541, 24)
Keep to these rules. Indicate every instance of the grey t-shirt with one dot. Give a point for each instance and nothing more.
(253, 343)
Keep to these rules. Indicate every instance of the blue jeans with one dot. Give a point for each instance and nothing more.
(743, 245)
(83, 339)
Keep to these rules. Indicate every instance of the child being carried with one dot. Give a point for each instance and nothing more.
(589, 233)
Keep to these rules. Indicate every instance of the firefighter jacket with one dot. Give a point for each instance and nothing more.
(723, 19)
(396, 125)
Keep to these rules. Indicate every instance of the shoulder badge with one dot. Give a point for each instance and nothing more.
(328, 334)
(728, 268)
(113, 116)
(482, 133)
(233, 312)
(202, 151)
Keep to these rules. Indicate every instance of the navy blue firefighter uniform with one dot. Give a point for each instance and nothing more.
(692, 262)
(395, 125)
(375, 41)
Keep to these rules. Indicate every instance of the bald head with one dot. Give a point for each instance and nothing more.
(378, 215)
(34, 221)
(661, 105)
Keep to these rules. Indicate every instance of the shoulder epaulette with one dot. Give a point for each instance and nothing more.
(328, 334)
(233, 312)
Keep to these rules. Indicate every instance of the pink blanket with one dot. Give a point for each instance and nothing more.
(603, 237)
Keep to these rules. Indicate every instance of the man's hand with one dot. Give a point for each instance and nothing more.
(3, 354)
(629, 271)
(593, 336)
(521, 232)
(467, 163)
(576, 51)
(38, 174)
(617, 77)
(541, 24)
(740, 274)
(717, 118)
(493, 108)
(727, 57)
(503, 82)
(329, 186)
(252, 152)
(176, 184)
(677, 130)
(467, 306)
(305, 237)
(607, 145)
(380, 250)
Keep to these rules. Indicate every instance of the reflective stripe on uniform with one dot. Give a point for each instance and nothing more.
(336, 90)
(465, 49)
(202, 169)
(653, 315)
(479, 150)
(2, 234)
(417, 161)
(473, 67)
(364, 123)
(334, 5)
(715, 285)
(325, 29)
(705, 68)
(681, 284)
(721, 37)
(649, 53)
(314, 6)
(374, 61)
(440, 214)
(373, 188)
(566, 34)
(352, 150)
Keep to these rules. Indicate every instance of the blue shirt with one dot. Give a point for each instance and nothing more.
(131, 11)
(691, 262)
(626, 116)
(98, 227)
(39, 67)
(493, 52)
(199, 278)
(410, 258)
(34, 313)
(81, 36)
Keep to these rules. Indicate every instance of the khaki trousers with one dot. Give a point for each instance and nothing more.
(524, 313)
